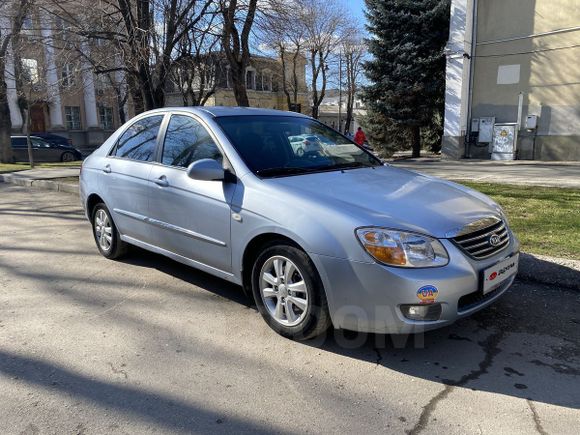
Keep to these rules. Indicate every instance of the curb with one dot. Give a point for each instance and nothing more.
(535, 268)
(40, 184)
(553, 271)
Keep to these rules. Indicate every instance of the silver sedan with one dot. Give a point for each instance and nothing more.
(329, 237)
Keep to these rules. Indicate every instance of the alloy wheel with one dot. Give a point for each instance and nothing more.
(284, 291)
(103, 230)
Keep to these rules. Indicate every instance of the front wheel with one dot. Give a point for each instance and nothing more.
(289, 293)
(67, 157)
(106, 235)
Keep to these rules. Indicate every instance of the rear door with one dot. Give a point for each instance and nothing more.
(20, 149)
(125, 177)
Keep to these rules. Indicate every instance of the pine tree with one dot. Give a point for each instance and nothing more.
(407, 71)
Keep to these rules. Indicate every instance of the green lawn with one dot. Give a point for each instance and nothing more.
(21, 166)
(545, 219)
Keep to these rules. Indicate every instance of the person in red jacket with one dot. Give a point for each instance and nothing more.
(360, 137)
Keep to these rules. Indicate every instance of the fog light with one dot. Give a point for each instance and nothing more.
(422, 312)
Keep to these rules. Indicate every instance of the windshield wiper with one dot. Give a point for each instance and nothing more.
(351, 165)
(272, 172)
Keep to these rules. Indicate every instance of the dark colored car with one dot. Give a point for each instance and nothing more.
(43, 150)
(55, 139)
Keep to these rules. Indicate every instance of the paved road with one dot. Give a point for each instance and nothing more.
(529, 173)
(146, 345)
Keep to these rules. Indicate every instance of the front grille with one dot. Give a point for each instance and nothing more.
(477, 243)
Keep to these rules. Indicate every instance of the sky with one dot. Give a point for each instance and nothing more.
(356, 8)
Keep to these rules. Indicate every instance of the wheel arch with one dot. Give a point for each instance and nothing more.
(252, 250)
(92, 200)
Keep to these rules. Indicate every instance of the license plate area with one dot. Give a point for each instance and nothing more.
(501, 271)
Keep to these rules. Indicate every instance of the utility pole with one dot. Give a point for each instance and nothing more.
(340, 91)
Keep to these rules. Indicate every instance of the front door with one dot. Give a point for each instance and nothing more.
(37, 118)
(190, 217)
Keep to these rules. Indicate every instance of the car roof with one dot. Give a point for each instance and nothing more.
(220, 111)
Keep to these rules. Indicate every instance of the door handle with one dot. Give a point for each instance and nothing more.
(162, 181)
(107, 169)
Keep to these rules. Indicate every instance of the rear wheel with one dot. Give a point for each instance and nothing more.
(289, 293)
(67, 157)
(106, 235)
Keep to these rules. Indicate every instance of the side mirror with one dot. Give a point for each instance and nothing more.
(206, 170)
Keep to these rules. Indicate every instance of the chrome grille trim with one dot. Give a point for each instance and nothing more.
(477, 245)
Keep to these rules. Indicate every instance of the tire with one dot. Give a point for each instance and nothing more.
(67, 157)
(300, 152)
(300, 311)
(101, 220)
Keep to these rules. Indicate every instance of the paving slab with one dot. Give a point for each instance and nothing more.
(551, 174)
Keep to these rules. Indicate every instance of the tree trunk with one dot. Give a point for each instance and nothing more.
(416, 138)
(28, 140)
(239, 87)
(136, 94)
(6, 154)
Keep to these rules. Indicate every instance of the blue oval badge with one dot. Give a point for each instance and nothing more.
(427, 294)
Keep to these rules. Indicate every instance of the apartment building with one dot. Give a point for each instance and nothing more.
(513, 78)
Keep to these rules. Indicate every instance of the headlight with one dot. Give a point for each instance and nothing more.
(399, 248)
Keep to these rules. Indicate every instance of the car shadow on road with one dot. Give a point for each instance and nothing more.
(142, 258)
(515, 347)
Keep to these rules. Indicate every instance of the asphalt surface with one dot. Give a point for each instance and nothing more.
(146, 345)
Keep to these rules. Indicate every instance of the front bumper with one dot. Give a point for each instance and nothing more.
(367, 297)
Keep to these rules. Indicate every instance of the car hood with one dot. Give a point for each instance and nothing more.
(394, 198)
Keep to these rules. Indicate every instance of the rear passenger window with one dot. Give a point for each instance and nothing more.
(138, 142)
(187, 141)
(19, 142)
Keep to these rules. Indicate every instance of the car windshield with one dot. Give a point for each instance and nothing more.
(274, 146)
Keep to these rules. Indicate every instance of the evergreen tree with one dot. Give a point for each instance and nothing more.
(407, 72)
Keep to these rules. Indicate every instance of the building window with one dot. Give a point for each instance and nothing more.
(30, 71)
(250, 79)
(106, 117)
(67, 76)
(73, 117)
(267, 81)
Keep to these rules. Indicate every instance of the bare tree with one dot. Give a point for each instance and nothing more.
(238, 18)
(199, 65)
(282, 30)
(13, 14)
(147, 34)
(353, 50)
(325, 23)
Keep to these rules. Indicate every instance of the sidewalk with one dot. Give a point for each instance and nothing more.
(44, 178)
(530, 173)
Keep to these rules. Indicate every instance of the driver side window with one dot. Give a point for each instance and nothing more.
(187, 141)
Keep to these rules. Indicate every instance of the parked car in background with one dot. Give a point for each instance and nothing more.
(55, 139)
(333, 237)
(304, 144)
(43, 151)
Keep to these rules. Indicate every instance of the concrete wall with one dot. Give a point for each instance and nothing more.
(511, 36)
